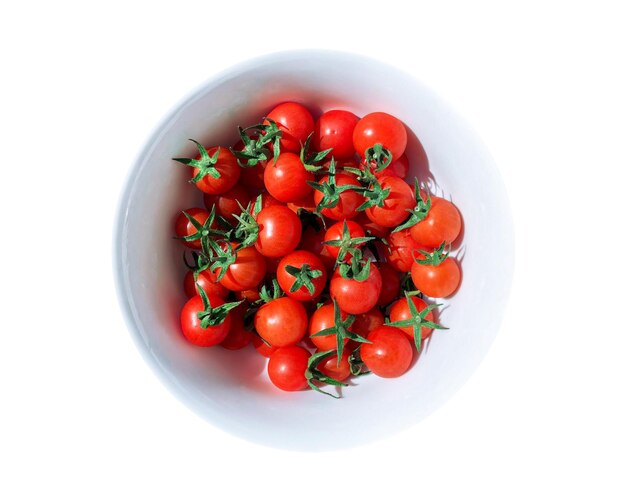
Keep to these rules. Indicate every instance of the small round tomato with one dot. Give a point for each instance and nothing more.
(246, 272)
(281, 322)
(401, 250)
(312, 241)
(304, 268)
(335, 233)
(280, 230)
(391, 284)
(380, 128)
(251, 177)
(287, 366)
(295, 122)
(334, 129)
(324, 318)
(262, 347)
(395, 208)
(329, 367)
(228, 204)
(238, 337)
(348, 202)
(268, 200)
(191, 325)
(442, 224)
(437, 280)
(185, 228)
(227, 168)
(205, 281)
(286, 178)
(367, 322)
(400, 311)
(250, 295)
(389, 353)
(356, 297)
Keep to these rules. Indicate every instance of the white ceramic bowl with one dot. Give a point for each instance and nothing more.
(230, 389)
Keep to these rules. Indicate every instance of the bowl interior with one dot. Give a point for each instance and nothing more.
(230, 389)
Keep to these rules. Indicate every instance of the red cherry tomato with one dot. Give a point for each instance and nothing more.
(324, 318)
(349, 200)
(280, 230)
(281, 322)
(329, 367)
(400, 311)
(228, 204)
(246, 272)
(334, 130)
(286, 178)
(295, 122)
(287, 366)
(367, 322)
(204, 280)
(238, 337)
(261, 347)
(335, 232)
(380, 128)
(391, 284)
(390, 352)
(308, 264)
(228, 169)
(268, 200)
(185, 228)
(396, 205)
(401, 250)
(192, 329)
(251, 177)
(437, 281)
(442, 224)
(356, 297)
(250, 295)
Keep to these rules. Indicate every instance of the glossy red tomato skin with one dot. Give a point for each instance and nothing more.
(371, 228)
(286, 178)
(396, 205)
(356, 297)
(228, 204)
(398, 167)
(299, 258)
(281, 322)
(329, 367)
(262, 349)
(280, 231)
(246, 272)
(205, 281)
(238, 337)
(400, 311)
(334, 129)
(312, 241)
(268, 200)
(335, 232)
(402, 250)
(184, 228)
(382, 128)
(190, 323)
(250, 295)
(437, 281)
(251, 177)
(367, 322)
(349, 200)
(228, 169)
(296, 123)
(324, 318)
(390, 352)
(391, 284)
(287, 366)
(442, 224)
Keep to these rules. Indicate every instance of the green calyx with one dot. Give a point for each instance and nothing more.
(378, 156)
(213, 316)
(357, 367)
(358, 269)
(268, 294)
(314, 375)
(346, 243)
(434, 258)
(221, 256)
(417, 320)
(256, 146)
(205, 165)
(303, 277)
(309, 158)
(330, 190)
(204, 232)
(419, 213)
(375, 196)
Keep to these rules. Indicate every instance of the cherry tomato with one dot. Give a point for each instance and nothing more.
(400, 311)
(184, 228)
(281, 322)
(380, 128)
(192, 329)
(312, 241)
(228, 169)
(204, 280)
(442, 224)
(227, 204)
(238, 337)
(437, 281)
(324, 318)
(398, 167)
(396, 205)
(295, 122)
(335, 232)
(268, 200)
(391, 284)
(251, 177)
(401, 250)
(334, 129)
(390, 352)
(280, 230)
(261, 347)
(287, 366)
(349, 200)
(246, 272)
(367, 322)
(250, 295)
(356, 297)
(328, 367)
(286, 178)
(308, 264)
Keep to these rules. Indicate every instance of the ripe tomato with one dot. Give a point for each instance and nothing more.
(380, 128)
(246, 272)
(295, 122)
(335, 232)
(268, 200)
(184, 228)
(312, 241)
(204, 280)
(261, 347)
(192, 329)
(400, 311)
(228, 169)
(238, 337)
(227, 204)
(391, 284)
(437, 281)
(353, 296)
(286, 178)
(250, 295)
(390, 352)
(324, 318)
(349, 200)
(302, 267)
(401, 250)
(367, 322)
(442, 224)
(396, 205)
(334, 130)
(280, 230)
(287, 366)
(281, 322)
(398, 167)
(251, 177)
(329, 367)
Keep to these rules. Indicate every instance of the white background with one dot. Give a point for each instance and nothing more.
(84, 84)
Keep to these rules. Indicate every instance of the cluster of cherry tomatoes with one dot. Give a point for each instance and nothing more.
(313, 246)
